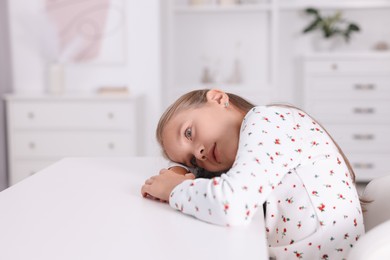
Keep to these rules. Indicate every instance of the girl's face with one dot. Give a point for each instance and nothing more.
(206, 136)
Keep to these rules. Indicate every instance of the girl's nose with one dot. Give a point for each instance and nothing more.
(200, 154)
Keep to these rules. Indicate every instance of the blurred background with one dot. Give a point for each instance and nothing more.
(92, 77)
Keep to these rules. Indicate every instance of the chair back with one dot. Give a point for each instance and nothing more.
(374, 245)
(378, 210)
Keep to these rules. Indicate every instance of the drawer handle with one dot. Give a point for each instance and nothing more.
(363, 110)
(363, 136)
(31, 145)
(110, 115)
(111, 146)
(365, 87)
(30, 115)
(363, 165)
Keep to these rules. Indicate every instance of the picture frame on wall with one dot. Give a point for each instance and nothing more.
(89, 32)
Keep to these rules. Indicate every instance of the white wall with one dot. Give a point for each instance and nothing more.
(141, 71)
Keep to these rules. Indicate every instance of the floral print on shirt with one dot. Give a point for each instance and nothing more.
(286, 160)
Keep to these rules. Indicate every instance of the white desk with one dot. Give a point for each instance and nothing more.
(90, 208)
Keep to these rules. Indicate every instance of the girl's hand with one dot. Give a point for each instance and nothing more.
(161, 186)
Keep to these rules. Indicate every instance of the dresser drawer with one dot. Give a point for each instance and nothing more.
(347, 88)
(361, 138)
(369, 166)
(354, 66)
(64, 144)
(22, 169)
(338, 111)
(71, 115)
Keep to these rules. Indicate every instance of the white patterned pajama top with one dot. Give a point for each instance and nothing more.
(287, 160)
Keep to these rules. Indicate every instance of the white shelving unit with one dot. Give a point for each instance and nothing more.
(257, 34)
(231, 42)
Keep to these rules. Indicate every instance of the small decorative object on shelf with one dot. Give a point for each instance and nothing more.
(55, 79)
(236, 75)
(206, 76)
(333, 27)
(113, 90)
(228, 2)
(381, 46)
(197, 2)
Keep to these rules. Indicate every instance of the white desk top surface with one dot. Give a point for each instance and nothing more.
(92, 208)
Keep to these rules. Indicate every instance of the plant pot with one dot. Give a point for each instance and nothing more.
(322, 44)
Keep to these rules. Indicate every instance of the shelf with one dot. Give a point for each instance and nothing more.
(68, 97)
(254, 94)
(223, 9)
(285, 5)
(333, 4)
(349, 55)
(225, 86)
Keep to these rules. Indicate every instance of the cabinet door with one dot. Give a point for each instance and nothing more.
(368, 166)
(348, 67)
(72, 115)
(350, 111)
(363, 138)
(347, 88)
(64, 144)
(22, 169)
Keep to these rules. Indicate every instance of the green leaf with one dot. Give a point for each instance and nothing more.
(353, 27)
(312, 26)
(312, 11)
(331, 25)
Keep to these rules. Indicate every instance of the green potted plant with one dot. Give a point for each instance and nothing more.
(332, 26)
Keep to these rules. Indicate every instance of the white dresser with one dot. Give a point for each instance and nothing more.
(350, 95)
(44, 129)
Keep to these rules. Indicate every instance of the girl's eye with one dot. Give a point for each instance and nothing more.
(188, 133)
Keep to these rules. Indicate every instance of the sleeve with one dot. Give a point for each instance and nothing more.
(269, 147)
(174, 164)
(189, 169)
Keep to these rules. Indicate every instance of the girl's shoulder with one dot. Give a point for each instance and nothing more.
(280, 111)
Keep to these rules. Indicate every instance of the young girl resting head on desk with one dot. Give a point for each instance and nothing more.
(273, 155)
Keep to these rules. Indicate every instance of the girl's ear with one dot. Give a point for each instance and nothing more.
(218, 96)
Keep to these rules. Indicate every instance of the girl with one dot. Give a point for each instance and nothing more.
(275, 155)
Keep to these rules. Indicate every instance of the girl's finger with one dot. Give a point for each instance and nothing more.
(162, 171)
(149, 181)
(143, 191)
